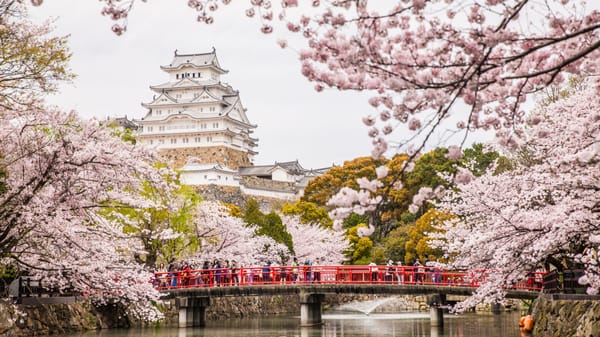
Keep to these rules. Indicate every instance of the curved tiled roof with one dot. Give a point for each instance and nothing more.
(201, 60)
(193, 83)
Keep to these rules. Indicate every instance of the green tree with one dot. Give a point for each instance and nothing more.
(477, 160)
(268, 224)
(394, 243)
(167, 230)
(309, 212)
(427, 169)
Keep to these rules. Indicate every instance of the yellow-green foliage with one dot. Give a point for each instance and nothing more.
(309, 212)
(360, 248)
(417, 246)
(173, 210)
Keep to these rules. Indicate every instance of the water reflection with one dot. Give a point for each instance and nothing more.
(340, 325)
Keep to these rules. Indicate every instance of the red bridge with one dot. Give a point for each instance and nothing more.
(194, 288)
(331, 275)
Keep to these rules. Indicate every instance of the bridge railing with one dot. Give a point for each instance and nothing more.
(290, 275)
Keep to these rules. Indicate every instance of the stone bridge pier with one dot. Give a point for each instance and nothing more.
(310, 308)
(436, 304)
(192, 311)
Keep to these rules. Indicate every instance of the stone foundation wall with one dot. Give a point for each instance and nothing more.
(233, 195)
(225, 156)
(567, 316)
(260, 183)
(44, 319)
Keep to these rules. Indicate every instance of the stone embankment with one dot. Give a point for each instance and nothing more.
(567, 315)
(43, 319)
(555, 316)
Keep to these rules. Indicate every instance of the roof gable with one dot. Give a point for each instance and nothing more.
(236, 110)
(186, 82)
(201, 60)
(163, 98)
(291, 167)
(206, 96)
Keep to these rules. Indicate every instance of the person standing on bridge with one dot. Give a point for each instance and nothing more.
(374, 272)
(218, 272)
(307, 271)
(283, 274)
(295, 267)
(418, 271)
(400, 272)
(267, 272)
(317, 271)
(389, 271)
(235, 280)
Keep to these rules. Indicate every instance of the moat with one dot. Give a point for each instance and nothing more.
(408, 324)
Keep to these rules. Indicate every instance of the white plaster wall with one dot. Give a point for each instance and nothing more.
(208, 178)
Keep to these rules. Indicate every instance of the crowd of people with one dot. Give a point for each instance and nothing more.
(230, 273)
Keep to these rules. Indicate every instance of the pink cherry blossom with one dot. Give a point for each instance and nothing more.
(544, 206)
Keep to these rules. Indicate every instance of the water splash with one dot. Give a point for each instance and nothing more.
(367, 307)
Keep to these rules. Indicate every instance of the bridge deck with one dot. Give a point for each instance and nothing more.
(291, 289)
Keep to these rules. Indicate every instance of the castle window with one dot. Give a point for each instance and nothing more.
(199, 75)
(161, 141)
(177, 76)
(215, 125)
(151, 142)
(173, 140)
(209, 139)
(212, 108)
(185, 140)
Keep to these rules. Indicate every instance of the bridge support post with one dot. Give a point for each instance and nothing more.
(310, 309)
(192, 311)
(436, 310)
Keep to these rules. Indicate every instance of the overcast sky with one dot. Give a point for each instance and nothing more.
(115, 72)
(114, 75)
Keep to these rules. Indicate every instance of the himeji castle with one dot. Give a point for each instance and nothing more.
(196, 116)
(199, 126)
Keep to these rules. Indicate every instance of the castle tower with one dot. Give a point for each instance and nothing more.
(195, 115)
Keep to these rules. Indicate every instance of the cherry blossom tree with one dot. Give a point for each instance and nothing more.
(32, 62)
(227, 237)
(313, 241)
(546, 208)
(61, 172)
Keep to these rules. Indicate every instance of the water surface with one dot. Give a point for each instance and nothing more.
(340, 324)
